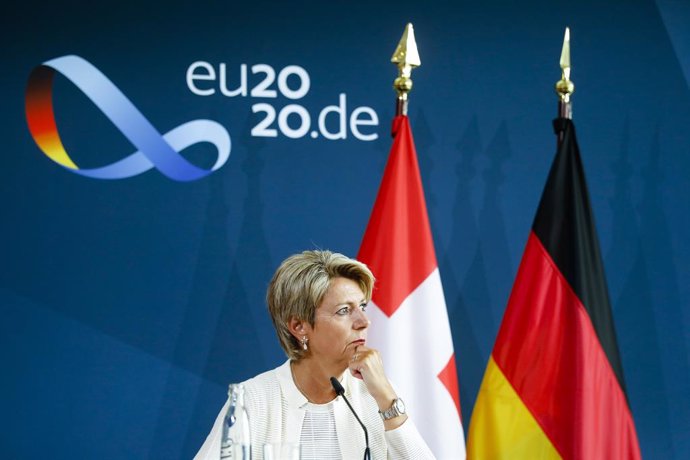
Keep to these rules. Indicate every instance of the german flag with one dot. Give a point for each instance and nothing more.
(553, 387)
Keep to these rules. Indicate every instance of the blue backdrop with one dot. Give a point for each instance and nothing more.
(128, 305)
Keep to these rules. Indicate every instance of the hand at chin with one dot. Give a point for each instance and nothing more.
(360, 361)
(366, 365)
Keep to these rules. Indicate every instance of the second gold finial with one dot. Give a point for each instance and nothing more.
(565, 87)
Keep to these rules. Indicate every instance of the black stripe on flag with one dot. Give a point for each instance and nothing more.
(565, 225)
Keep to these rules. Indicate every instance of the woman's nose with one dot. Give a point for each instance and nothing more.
(361, 320)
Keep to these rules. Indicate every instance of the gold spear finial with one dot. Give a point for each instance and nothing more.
(565, 87)
(406, 57)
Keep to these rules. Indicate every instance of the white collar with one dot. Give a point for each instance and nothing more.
(294, 397)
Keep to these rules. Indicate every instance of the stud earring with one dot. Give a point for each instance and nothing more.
(304, 342)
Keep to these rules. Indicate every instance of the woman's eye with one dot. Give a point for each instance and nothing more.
(363, 307)
(343, 311)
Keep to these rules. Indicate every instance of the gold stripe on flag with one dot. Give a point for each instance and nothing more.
(502, 427)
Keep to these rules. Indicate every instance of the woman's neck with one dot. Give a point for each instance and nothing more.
(313, 380)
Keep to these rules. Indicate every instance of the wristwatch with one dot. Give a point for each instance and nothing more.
(396, 409)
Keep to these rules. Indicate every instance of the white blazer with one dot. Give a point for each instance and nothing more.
(277, 408)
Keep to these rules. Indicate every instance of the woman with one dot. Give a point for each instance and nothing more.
(317, 301)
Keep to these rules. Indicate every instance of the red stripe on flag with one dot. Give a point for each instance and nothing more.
(449, 378)
(547, 348)
(397, 244)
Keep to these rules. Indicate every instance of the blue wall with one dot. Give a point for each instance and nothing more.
(128, 305)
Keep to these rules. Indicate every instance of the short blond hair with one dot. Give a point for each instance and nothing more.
(299, 285)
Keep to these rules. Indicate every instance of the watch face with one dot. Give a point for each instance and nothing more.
(400, 406)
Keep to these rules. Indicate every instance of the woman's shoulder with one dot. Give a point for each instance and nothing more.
(265, 383)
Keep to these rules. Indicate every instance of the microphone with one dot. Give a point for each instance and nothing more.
(340, 391)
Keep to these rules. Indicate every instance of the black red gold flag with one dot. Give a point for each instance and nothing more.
(554, 387)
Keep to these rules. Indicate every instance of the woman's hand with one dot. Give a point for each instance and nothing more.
(366, 364)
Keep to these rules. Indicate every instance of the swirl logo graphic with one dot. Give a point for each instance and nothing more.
(154, 149)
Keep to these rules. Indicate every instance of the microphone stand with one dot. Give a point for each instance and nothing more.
(340, 391)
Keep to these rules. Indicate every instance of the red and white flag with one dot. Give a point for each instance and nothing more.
(409, 315)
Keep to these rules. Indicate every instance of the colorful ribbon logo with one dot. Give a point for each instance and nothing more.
(154, 149)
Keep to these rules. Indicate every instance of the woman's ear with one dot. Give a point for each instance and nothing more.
(297, 328)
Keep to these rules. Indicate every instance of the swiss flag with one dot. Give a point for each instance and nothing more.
(409, 318)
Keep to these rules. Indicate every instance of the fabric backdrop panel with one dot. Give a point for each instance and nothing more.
(243, 132)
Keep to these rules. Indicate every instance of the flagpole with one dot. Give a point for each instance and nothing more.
(406, 57)
(565, 87)
(409, 293)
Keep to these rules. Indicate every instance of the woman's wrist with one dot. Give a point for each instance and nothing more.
(386, 400)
